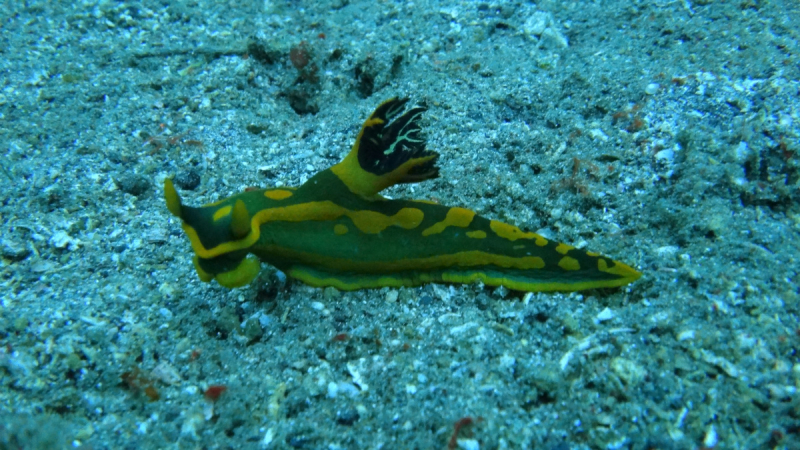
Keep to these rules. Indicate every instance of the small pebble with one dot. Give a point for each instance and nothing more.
(297, 441)
(604, 315)
(61, 240)
(468, 444)
(252, 329)
(628, 371)
(318, 306)
(392, 295)
(347, 417)
(553, 39)
(537, 23)
(166, 373)
(187, 179)
(666, 155)
(348, 389)
(333, 389)
(132, 184)
(685, 335)
(20, 324)
(13, 250)
(710, 440)
(464, 329)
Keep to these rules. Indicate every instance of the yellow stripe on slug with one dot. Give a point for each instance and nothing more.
(456, 217)
(370, 222)
(568, 263)
(477, 234)
(222, 212)
(277, 194)
(240, 220)
(513, 233)
(564, 248)
(339, 229)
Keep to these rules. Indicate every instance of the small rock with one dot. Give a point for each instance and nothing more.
(191, 424)
(507, 361)
(166, 373)
(710, 440)
(74, 361)
(685, 335)
(43, 266)
(347, 417)
(20, 324)
(597, 134)
(227, 320)
(666, 155)
(726, 366)
(482, 302)
(466, 328)
(187, 179)
(333, 389)
(652, 88)
(85, 433)
(165, 313)
(13, 250)
(61, 240)
(348, 389)
(630, 372)
(741, 153)
(468, 444)
(392, 296)
(132, 184)
(667, 251)
(604, 315)
(116, 157)
(317, 306)
(156, 235)
(257, 129)
(537, 23)
(269, 436)
(328, 293)
(781, 392)
(449, 319)
(252, 329)
(500, 292)
(552, 39)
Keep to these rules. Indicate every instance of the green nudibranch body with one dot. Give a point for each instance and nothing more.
(336, 230)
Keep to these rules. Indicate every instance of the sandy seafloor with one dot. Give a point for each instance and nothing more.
(664, 134)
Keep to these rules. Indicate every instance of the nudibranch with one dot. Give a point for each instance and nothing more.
(337, 230)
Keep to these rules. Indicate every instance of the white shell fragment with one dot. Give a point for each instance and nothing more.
(61, 240)
(720, 362)
(166, 373)
(537, 23)
(604, 315)
(541, 27)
